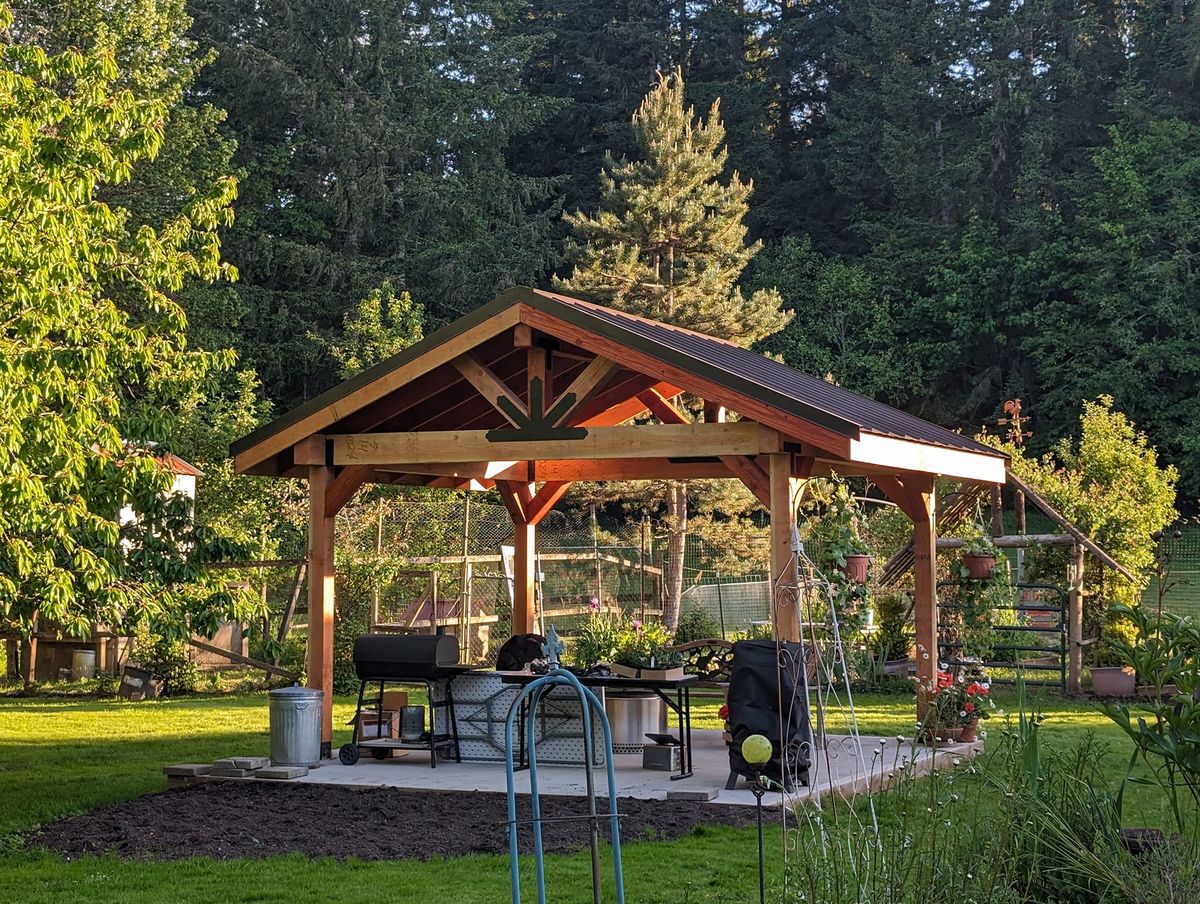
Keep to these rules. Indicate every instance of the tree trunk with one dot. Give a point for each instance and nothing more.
(677, 515)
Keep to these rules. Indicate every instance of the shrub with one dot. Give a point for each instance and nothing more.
(696, 623)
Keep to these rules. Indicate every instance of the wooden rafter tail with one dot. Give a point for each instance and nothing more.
(1062, 521)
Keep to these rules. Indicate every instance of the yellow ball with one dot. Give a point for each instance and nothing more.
(756, 750)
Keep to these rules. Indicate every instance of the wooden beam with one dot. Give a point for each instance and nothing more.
(751, 473)
(902, 454)
(1061, 520)
(537, 368)
(573, 469)
(490, 386)
(543, 501)
(320, 598)
(586, 385)
(921, 496)
(1012, 541)
(643, 441)
(403, 373)
(648, 364)
(513, 500)
(310, 451)
(785, 598)
(1075, 570)
(267, 667)
(343, 487)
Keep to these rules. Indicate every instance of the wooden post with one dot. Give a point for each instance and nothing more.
(997, 511)
(785, 602)
(925, 612)
(320, 598)
(29, 654)
(524, 578)
(1075, 622)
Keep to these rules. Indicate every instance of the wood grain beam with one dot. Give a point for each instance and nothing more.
(490, 386)
(639, 441)
(343, 487)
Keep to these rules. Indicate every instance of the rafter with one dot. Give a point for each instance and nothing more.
(491, 387)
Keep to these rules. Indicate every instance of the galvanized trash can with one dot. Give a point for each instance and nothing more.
(296, 726)
(83, 664)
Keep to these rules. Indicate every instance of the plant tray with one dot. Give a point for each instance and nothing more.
(626, 671)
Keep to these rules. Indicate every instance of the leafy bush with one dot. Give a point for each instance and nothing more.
(169, 660)
(696, 623)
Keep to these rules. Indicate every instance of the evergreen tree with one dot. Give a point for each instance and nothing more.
(373, 139)
(669, 243)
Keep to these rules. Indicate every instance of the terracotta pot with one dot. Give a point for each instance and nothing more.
(941, 735)
(858, 568)
(967, 732)
(1113, 681)
(979, 567)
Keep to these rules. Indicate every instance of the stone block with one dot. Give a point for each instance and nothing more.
(188, 770)
(693, 794)
(228, 772)
(282, 772)
(242, 762)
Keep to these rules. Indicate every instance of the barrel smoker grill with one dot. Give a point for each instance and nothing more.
(428, 659)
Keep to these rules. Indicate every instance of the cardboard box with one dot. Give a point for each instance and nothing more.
(369, 725)
(393, 701)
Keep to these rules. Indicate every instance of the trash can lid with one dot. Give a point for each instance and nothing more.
(296, 692)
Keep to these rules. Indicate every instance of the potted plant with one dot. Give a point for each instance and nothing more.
(957, 702)
(856, 561)
(892, 641)
(643, 651)
(845, 550)
(979, 555)
(1113, 672)
(598, 639)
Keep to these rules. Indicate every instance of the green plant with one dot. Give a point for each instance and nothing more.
(1116, 637)
(646, 646)
(598, 639)
(696, 623)
(893, 638)
(169, 660)
(1165, 730)
(979, 542)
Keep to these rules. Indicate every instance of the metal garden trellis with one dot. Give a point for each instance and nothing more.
(529, 697)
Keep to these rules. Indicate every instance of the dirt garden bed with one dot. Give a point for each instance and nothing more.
(255, 819)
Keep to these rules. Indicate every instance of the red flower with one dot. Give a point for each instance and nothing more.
(969, 707)
(723, 712)
(945, 679)
(975, 689)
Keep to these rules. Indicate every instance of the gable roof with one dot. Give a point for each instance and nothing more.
(716, 369)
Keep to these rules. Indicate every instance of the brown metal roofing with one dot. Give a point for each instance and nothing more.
(753, 374)
(717, 360)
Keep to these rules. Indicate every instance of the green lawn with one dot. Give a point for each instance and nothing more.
(59, 757)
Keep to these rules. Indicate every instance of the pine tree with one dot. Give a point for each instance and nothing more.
(669, 243)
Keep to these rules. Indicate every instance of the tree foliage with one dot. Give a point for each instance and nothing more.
(1109, 483)
(669, 241)
(93, 354)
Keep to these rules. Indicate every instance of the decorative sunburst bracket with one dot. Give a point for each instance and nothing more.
(533, 424)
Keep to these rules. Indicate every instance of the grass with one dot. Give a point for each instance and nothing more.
(60, 756)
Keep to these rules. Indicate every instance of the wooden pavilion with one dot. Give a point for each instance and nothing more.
(535, 391)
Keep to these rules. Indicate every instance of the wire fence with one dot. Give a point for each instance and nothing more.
(1179, 591)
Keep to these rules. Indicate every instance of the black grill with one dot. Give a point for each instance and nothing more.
(406, 657)
(768, 695)
(429, 659)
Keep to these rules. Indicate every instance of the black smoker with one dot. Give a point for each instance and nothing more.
(768, 695)
(429, 659)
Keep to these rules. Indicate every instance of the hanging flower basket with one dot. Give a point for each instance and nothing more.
(857, 568)
(979, 565)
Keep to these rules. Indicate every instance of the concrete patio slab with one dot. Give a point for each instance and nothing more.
(845, 766)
